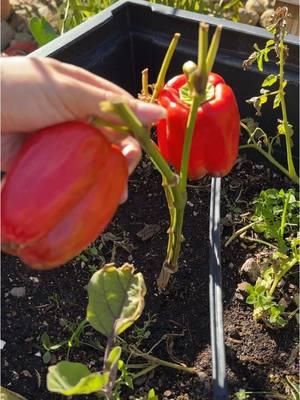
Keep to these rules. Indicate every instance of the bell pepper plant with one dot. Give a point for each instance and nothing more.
(61, 192)
(199, 136)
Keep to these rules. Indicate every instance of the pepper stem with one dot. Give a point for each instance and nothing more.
(164, 68)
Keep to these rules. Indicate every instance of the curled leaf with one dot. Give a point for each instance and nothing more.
(70, 378)
(116, 299)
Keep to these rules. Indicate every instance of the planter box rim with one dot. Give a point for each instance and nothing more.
(104, 15)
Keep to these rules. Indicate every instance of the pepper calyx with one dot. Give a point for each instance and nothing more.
(186, 94)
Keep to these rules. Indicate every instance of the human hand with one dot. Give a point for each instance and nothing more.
(39, 92)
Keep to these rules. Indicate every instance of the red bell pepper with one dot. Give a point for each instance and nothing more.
(61, 192)
(216, 134)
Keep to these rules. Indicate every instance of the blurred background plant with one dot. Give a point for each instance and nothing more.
(48, 19)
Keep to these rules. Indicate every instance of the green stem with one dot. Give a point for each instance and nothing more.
(99, 122)
(164, 68)
(158, 361)
(280, 275)
(283, 218)
(251, 239)
(144, 371)
(141, 133)
(239, 232)
(291, 167)
(213, 49)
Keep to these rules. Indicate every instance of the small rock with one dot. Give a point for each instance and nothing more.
(38, 354)
(2, 344)
(18, 291)
(7, 34)
(255, 5)
(242, 287)
(239, 296)
(167, 393)
(266, 18)
(248, 16)
(251, 269)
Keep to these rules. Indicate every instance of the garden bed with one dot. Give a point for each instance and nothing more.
(55, 299)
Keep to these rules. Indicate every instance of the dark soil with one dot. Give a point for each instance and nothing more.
(258, 357)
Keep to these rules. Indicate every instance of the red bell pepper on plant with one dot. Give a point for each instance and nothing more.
(61, 192)
(215, 139)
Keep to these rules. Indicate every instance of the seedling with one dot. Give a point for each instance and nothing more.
(116, 301)
(276, 219)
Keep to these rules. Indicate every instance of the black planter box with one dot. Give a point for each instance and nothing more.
(132, 35)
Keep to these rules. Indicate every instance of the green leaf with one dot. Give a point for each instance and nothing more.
(116, 299)
(277, 101)
(113, 358)
(46, 357)
(152, 395)
(270, 80)
(270, 43)
(260, 64)
(6, 394)
(45, 340)
(70, 378)
(41, 30)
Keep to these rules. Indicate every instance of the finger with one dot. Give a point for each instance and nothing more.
(124, 196)
(83, 75)
(132, 151)
(146, 112)
(129, 146)
(82, 100)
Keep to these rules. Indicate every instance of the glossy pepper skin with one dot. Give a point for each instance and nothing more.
(216, 135)
(61, 192)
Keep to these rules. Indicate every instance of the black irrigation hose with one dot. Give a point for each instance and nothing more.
(215, 295)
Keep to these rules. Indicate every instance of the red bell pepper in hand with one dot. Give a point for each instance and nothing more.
(216, 135)
(61, 192)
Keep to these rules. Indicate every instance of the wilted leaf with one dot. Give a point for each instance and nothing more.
(116, 299)
(70, 378)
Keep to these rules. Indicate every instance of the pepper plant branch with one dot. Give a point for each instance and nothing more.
(164, 68)
(287, 130)
(99, 122)
(141, 133)
(198, 81)
(281, 273)
(213, 48)
(239, 232)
